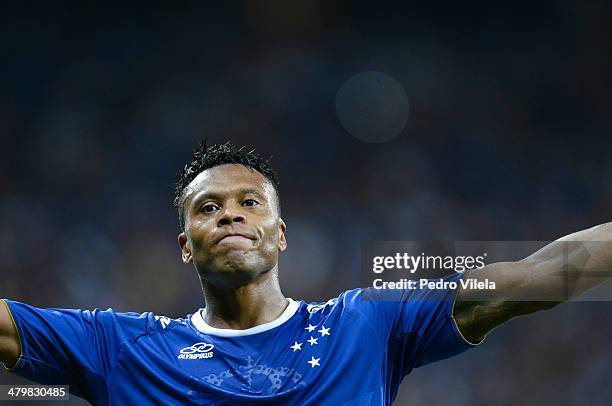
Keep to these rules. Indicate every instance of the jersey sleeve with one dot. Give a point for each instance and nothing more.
(72, 347)
(417, 324)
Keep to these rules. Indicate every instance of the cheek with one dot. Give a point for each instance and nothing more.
(197, 234)
(270, 230)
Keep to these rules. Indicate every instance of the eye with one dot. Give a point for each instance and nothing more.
(209, 208)
(250, 202)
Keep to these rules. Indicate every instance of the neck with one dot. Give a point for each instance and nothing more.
(249, 305)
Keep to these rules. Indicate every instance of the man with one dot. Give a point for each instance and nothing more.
(251, 344)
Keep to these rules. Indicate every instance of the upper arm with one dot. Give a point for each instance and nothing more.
(556, 272)
(71, 346)
(416, 324)
(519, 289)
(9, 339)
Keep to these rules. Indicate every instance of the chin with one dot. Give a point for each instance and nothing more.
(236, 265)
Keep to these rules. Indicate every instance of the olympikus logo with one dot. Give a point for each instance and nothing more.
(197, 351)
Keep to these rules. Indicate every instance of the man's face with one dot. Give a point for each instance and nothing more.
(233, 230)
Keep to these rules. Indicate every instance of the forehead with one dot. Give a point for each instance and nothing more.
(228, 177)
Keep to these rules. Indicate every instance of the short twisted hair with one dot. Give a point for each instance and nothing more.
(208, 156)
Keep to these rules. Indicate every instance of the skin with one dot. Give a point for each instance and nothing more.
(561, 270)
(239, 274)
(9, 341)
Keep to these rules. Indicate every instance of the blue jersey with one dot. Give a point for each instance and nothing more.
(351, 350)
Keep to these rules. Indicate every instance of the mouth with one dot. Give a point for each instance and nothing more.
(234, 237)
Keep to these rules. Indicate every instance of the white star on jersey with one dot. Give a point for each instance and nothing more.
(313, 341)
(324, 331)
(296, 346)
(310, 328)
(314, 362)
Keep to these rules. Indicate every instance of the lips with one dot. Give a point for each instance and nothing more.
(237, 235)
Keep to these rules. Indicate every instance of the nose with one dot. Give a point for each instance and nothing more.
(230, 215)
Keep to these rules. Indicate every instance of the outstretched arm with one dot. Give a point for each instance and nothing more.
(9, 340)
(559, 271)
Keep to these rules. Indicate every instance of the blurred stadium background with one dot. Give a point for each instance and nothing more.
(507, 138)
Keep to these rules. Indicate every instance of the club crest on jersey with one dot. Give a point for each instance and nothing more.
(163, 320)
(197, 351)
(313, 308)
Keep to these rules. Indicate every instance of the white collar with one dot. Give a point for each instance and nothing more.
(203, 327)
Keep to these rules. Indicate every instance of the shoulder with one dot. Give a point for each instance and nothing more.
(359, 300)
(353, 313)
(97, 321)
(141, 322)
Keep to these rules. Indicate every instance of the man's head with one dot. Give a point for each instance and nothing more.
(229, 212)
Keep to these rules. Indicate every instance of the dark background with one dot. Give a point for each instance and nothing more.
(507, 138)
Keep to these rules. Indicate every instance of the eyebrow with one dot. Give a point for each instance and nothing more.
(219, 195)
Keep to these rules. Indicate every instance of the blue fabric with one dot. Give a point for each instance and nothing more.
(351, 350)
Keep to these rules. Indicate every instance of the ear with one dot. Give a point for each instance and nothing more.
(282, 240)
(185, 251)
